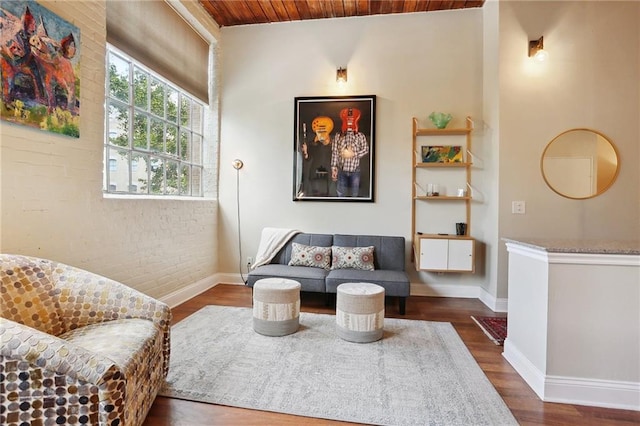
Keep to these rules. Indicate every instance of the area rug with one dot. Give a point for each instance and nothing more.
(494, 327)
(420, 373)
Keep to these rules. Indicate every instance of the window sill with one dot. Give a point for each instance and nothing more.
(154, 197)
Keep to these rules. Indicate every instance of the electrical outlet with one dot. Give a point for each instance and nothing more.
(249, 260)
(518, 207)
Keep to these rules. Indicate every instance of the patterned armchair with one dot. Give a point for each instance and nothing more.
(77, 348)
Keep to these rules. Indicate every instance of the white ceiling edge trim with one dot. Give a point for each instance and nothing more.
(202, 24)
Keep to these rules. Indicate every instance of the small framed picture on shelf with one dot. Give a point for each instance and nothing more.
(441, 154)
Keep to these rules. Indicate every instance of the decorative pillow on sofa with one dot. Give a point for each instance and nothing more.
(316, 257)
(352, 257)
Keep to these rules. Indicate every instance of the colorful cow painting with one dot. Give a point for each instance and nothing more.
(40, 59)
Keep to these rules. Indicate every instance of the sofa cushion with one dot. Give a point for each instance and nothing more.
(132, 335)
(135, 345)
(352, 257)
(310, 279)
(313, 256)
(395, 283)
(389, 250)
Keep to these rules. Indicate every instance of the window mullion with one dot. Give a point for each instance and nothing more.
(131, 107)
(131, 123)
(165, 164)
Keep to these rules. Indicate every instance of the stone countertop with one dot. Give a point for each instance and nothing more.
(550, 245)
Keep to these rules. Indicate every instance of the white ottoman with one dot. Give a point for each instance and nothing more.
(360, 312)
(276, 306)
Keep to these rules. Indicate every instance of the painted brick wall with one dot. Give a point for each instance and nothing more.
(51, 198)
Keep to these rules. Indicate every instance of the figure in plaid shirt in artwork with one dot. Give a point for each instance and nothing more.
(349, 146)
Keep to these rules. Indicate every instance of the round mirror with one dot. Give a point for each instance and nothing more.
(580, 163)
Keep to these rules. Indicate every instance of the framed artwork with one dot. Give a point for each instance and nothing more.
(333, 148)
(441, 154)
(40, 68)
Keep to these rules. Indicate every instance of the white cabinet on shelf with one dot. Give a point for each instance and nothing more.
(445, 253)
(433, 251)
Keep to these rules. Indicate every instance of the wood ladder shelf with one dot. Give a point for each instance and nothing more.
(435, 252)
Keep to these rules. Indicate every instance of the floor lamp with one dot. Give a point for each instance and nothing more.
(238, 164)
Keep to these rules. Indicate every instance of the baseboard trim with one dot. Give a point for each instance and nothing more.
(593, 392)
(493, 303)
(463, 291)
(192, 290)
(571, 390)
(438, 290)
(231, 279)
(524, 367)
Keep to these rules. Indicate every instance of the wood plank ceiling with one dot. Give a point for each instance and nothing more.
(243, 12)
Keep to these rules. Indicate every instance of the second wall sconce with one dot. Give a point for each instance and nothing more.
(536, 50)
(341, 75)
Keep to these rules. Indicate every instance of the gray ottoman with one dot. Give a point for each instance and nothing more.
(276, 306)
(360, 312)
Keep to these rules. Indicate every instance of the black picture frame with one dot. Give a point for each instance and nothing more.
(331, 135)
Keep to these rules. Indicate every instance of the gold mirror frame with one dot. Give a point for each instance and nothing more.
(580, 163)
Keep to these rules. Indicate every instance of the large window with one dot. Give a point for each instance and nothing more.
(154, 132)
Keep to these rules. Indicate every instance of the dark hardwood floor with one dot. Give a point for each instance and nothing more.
(521, 400)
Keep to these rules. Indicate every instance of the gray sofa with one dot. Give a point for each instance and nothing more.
(389, 263)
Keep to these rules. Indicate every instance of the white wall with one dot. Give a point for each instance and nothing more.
(414, 63)
(491, 152)
(590, 80)
(52, 202)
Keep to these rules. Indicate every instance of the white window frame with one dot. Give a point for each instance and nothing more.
(193, 162)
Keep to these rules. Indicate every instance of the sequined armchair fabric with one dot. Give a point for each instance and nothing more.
(76, 347)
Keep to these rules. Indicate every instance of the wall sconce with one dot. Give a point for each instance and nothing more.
(237, 164)
(341, 75)
(536, 50)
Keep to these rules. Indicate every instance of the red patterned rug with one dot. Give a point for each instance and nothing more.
(494, 327)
